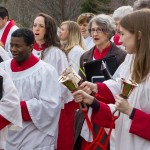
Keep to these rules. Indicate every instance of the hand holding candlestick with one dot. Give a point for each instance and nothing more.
(72, 81)
(126, 89)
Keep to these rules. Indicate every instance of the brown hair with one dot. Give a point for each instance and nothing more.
(138, 22)
(85, 17)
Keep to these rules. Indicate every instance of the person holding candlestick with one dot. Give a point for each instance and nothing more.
(132, 127)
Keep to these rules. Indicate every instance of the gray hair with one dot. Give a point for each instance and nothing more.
(122, 11)
(105, 22)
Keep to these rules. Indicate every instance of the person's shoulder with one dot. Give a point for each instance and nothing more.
(117, 49)
(55, 49)
(13, 28)
(46, 65)
(89, 52)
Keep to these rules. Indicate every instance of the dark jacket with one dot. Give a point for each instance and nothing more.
(113, 51)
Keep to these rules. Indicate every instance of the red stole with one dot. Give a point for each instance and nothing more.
(31, 61)
(37, 48)
(100, 55)
(6, 31)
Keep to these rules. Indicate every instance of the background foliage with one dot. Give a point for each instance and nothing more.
(24, 11)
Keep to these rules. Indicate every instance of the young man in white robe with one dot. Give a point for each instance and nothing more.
(10, 112)
(37, 83)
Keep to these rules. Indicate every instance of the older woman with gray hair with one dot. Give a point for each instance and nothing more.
(102, 28)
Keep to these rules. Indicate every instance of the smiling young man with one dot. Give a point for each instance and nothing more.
(83, 21)
(37, 83)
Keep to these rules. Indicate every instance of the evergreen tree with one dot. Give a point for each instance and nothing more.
(96, 6)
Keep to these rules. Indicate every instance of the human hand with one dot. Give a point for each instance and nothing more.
(123, 105)
(88, 87)
(81, 96)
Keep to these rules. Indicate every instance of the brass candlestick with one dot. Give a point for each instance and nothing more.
(71, 80)
(126, 89)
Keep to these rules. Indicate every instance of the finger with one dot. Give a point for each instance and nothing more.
(76, 92)
(83, 84)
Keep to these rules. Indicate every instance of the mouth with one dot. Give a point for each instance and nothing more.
(96, 39)
(36, 34)
(83, 31)
(15, 55)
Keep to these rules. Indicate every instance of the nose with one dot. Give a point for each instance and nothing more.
(36, 28)
(81, 26)
(94, 32)
(13, 48)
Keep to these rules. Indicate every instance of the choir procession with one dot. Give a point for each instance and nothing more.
(82, 85)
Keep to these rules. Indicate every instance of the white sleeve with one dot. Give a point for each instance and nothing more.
(45, 109)
(9, 106)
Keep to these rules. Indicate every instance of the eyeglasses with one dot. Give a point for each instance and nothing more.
(98, 30)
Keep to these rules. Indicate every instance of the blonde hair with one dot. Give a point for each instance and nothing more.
(74, 37)
(138, 22)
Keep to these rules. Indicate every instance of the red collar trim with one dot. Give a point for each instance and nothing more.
(116, 40)
(6, 31)
(101, 55)
(36, 47)
(15, 67)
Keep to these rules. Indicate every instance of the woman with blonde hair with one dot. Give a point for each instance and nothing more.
(74, 47)
(72, 42)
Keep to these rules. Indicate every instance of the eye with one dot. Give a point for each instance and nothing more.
(42, 26)
(99, 30)
(34, 25)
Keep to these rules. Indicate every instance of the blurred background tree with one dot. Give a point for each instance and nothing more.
(97, 6)
(24, 11)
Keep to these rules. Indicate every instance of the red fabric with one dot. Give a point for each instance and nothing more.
(141, 124)
(103, 116)
(104, 94)
(3, 122)
(66, 127)
(116, 40)
(84, 144)
(15, 67)
(6, 31)
(36, 47)
(100, 55)
(24, 111)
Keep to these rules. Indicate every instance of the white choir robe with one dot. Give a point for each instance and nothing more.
(140, 99)
(88, 42)
(39, 87)
(4, 55)
(74, 57)
(9, 107)
(57, 58)
(7, 44)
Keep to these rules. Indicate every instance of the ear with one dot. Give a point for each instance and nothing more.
(6, 18)
(31, 47)
(139, 35)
